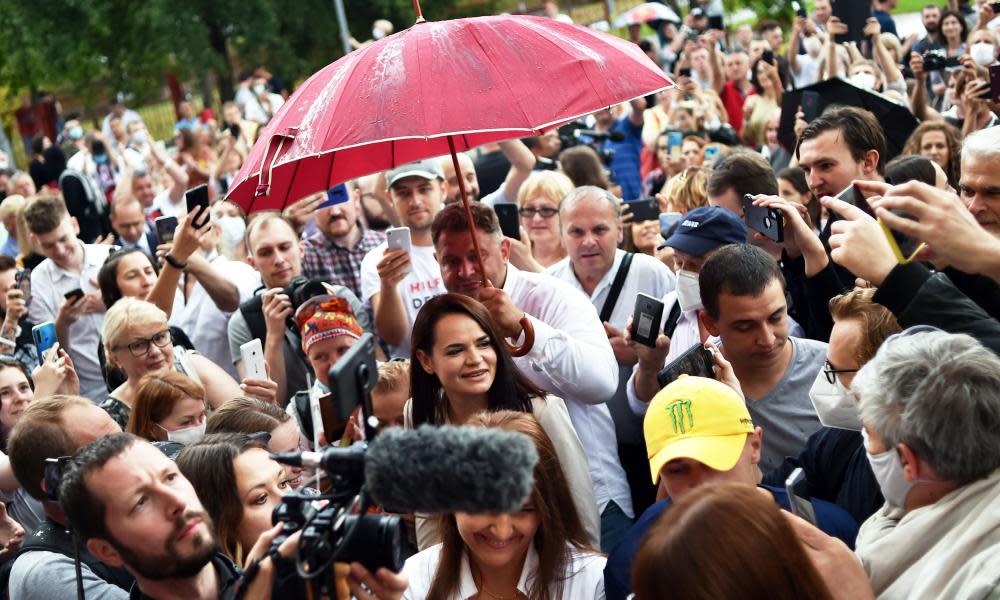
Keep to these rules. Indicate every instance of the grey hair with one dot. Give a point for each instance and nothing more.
(590, 192)
(939, 393)
(982, 145)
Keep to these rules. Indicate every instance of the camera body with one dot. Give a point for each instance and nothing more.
(937, 60)
(300, 289)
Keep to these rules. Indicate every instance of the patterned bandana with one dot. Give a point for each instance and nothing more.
(326, 317)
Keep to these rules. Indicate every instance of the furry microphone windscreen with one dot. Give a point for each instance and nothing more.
(451, 469)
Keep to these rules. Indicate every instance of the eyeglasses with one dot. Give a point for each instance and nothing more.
(140, 346)
(831, 373)
(547, 213)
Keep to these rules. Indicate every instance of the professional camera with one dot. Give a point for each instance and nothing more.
(336, 526)
(300, 289)
(576, 133)
(937, 60)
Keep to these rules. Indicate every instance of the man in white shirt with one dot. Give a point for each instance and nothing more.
(590, 219)
(570, 357)
(70, 264)
(398, 282)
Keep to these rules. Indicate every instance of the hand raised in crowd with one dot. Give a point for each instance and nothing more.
(917, 66)
(872, 28)
(834, 26)
(800, 239)
(277, 309)
(262, 389)
(393, 267)
(301, 211)
(724, 372)
(56, 374)
(837, 566)
(383, 585)
(800, 122)
(505, 313)
(72, 309)
(16, 307)
(647, 358)
(520, 254)
(624, 352)
(858, 244)
(187, 239)
(940, 220)
(11, 534)
(986, 14)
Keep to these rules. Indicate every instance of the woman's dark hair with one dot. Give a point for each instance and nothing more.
(107, 277)
(710, 543)
(7, 362)
(797, 177)
(511, 390)
(908, 167)
(209, 466)
(38, 143)
(961, 21)
(560, 531)
(583, 167)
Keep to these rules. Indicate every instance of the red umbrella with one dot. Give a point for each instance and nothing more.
(434, 89)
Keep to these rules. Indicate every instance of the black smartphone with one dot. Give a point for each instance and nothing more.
(165, 228)
(73, 295)
(715, 22)
(800, 11)
(696, 361)
(197, 202)
(646, 320)
(22, 281)
(853, 196)
(995, 81)
(684, 72)
(351, 381)
(646, 209)
(767, 56)
(854, 14)
(799, 499)
(768, 221)
(996, 7)
(810, 105)
(510, 221)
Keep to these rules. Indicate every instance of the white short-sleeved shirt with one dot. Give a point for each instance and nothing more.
(420, 285)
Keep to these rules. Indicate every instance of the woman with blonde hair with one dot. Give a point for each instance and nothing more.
(538, 204)
(685, 191)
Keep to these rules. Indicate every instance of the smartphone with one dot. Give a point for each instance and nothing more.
(668, 220)
(197, 202)
(675, 139)
(398, 238)
(768, 221)
(351, 381)
(767, 56)
(711, 152)
(715, 22)
(995, 79)
(646, 319)
(684, 72)
(252, 354)
(165, 228)
(853, 196)
(73, 295)
(800, 11)
(510, 220)
(22, 282)
(810, 105)
(335, 195)
(44, 335)
(798, 495)
(646, 209)
(696, 361)
(904, 247)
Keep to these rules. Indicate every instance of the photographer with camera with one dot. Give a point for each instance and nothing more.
(133, 509)
(625, 160)
(275, 252)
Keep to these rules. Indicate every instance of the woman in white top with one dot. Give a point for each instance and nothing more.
(537, 553)
(460, 367)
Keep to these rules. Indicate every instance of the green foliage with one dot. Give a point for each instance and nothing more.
(777, 10)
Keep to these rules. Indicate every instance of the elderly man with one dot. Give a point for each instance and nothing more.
(571, 356)
(931, 418)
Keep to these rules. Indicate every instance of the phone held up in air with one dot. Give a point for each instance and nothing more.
(165, 228)
(696, 361)
(252, 354)
(197, 202)
(22, 282)
(398, 238)
(646, 318)
(798, 496)
(44, 335)
(351, 381)
(646, 209)
(510, 220)
(768, 221)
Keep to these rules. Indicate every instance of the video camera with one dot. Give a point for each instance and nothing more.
(336, 526)
(576, 133)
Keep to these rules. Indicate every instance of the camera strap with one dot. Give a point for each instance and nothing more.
(616, 287)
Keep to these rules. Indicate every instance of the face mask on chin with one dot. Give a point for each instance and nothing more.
(834, 404)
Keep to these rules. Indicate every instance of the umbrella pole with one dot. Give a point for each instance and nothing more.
(529, 331)
(420, 13)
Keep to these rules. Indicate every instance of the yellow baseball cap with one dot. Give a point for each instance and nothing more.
(697, 418)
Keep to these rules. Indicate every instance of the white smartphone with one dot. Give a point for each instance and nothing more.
(398, 238)
(252, 353)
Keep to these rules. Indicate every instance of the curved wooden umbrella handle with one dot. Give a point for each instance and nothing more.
(529, 330)
(529, 339)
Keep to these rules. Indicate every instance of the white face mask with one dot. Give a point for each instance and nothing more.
(688, 292)
(259, 88)
(834, 403)
(888, 470)
(377, 33)
(983, 53)
(188, 435)
(865, 81)
(812, 45)
(233, 229)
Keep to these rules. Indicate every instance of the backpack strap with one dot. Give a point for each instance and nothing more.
(616, 287)
(671, 324)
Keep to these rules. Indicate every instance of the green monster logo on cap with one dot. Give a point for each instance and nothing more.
(677, 410)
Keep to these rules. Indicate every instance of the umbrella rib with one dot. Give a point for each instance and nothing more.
(288, 188)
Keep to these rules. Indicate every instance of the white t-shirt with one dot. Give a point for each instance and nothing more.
(420, 285)
(808, 72)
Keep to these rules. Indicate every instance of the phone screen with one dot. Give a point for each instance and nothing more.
(995, 82)
(197, 201)
(510, 223)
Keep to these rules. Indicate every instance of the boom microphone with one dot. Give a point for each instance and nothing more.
(451, 469)
(614, 136)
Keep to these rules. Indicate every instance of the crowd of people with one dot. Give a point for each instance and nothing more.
(848, 337)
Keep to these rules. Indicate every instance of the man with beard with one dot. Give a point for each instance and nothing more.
(133, 509)
(931, 18)
(521, 161)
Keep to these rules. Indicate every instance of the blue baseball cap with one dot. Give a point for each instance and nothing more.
(706, 228)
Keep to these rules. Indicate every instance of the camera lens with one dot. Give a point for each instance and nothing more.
(377, 542)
